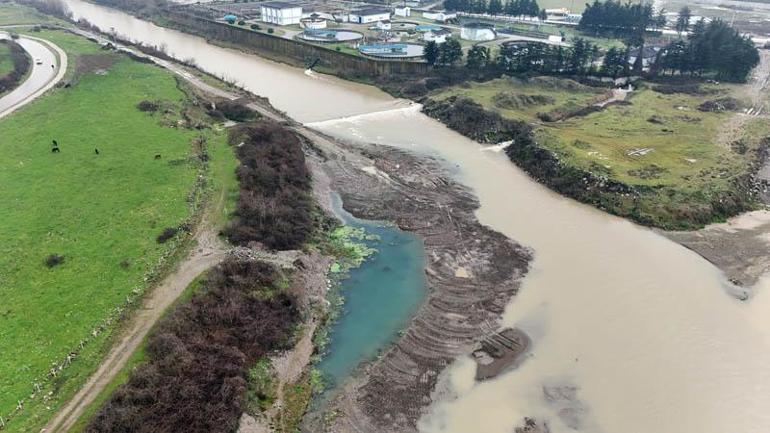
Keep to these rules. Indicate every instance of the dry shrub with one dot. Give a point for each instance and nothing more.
(53, 260)
(198, 358)
(147, 106)
(166, 234)
(274, 205)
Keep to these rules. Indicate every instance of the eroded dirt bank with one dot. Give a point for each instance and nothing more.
(472, 273)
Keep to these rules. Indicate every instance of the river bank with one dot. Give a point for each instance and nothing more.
(590, 291)
(472, 271)
(458, 265)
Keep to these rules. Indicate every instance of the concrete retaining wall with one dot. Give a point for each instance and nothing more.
(300, 53)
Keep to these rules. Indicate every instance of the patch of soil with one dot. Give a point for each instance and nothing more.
(94, 63)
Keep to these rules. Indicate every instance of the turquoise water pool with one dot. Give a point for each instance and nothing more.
(380, 297)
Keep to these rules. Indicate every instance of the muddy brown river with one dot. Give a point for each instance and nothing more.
(631, 332)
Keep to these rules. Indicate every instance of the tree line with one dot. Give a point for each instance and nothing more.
(711, 48)
(496, 7)
(582, 58)
(627, 21)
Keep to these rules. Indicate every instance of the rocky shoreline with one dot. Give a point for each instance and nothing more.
(472, 273)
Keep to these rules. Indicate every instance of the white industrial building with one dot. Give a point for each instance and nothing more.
(477, 32)
(437, 36)
(383, 25)
(441, 16)
(371, 15)
(402, 11)
(281, 13)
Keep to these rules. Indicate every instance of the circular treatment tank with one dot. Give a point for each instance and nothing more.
(423, 28)
(403, 26)
(329, 35)
(477, 32)
(400, 51)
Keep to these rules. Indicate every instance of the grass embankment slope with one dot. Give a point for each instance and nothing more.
(102, 213)
(6, 63)
(659, 143)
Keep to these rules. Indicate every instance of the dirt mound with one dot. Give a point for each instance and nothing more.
(721, 104)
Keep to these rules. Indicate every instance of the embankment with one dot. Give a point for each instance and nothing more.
(21, 66)
(295, 52)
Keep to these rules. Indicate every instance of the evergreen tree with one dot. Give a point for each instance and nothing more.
(450, 52)
(533, 9)
(683, 20)
(512, 7)
(660, 20)
(495, 7)
(478, 57)
(431, 52)
(612, 65)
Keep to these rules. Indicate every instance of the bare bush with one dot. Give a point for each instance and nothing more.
(199, 356)
(274, 205)
(166, 234)
(147, 106)
(54, 260)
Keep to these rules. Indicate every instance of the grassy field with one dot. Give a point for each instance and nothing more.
(102, 213)
(11, 13)
(652, 140)
(557, 92)
(6, 64)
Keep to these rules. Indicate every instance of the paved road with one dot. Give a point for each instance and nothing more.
(43, 76)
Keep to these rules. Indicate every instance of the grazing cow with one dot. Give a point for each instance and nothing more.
(55, 143)
(55, 150)
(96, 151)
(157, 156)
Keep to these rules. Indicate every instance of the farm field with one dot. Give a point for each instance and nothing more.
(658, 141)
(101, 212)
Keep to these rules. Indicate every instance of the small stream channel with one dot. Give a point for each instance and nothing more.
(380, 296)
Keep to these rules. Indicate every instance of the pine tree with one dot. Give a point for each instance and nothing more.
(683, 20)
(431, 52)
(450, 52)
(478, 57)
(495, 7)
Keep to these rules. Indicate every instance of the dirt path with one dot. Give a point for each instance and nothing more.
(207, 253)
(755, 91)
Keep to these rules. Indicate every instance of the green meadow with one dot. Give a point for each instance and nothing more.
(101, 212)
(6, 64)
